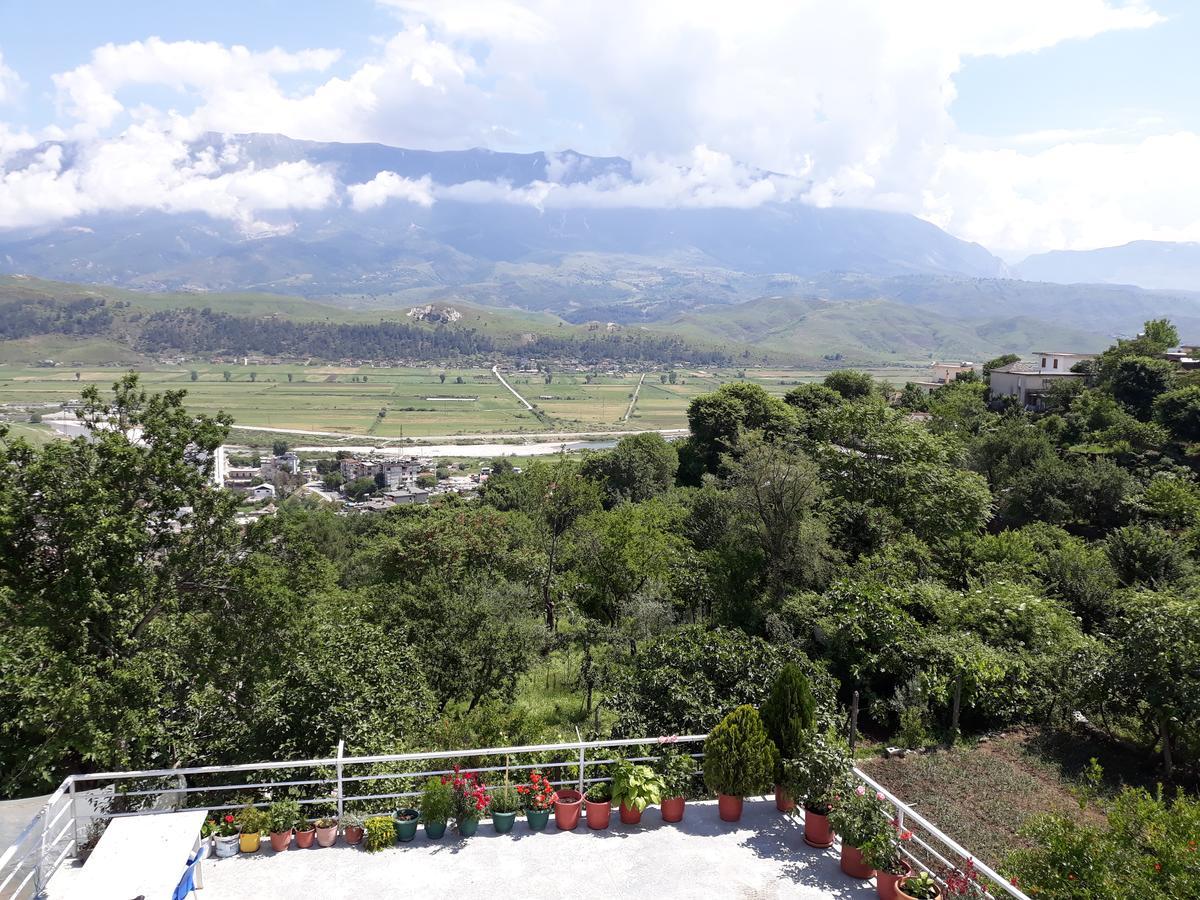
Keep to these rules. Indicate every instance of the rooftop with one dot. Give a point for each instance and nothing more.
(763, 856)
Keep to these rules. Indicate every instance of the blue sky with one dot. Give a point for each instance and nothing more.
(1024, 125)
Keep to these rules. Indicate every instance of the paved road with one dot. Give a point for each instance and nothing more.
(527, 404)
(633, 400)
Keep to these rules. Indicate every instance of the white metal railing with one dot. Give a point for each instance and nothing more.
(27, 866)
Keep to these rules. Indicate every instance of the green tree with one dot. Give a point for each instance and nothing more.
(278, 448)
(790, 712)
(998, 363)
(360, 488)
(1180, 412)
(719, 419)
(1146, 555)
(1137, 381)
(194, 375)
(850, 384)
(639, 467)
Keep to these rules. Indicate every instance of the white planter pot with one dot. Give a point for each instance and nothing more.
(225, 846)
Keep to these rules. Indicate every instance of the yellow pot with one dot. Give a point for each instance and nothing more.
(248, 843)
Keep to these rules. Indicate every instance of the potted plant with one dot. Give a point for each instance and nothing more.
(739, 760)
(537, 798)
(305, 832)
(859, 816)
(568, 804)
(352, 828)
(634, 787)
(381, 833)
(327, 828)
(250, 821)
(437, 804)
(281, 817)
(470, 800)
(224, 833)
(918, 887)
(676, 770)
(598, 802)
(505, 805)
(882, 853)
(816, 776)
(788, 715)
(406, 820)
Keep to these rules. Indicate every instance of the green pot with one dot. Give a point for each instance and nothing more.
(468, 827)
(537, 818)
(503, 821)
(434, 830)
(406, 828)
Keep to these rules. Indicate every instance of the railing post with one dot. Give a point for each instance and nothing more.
(74, 813)
(40, 875)
(340, 797)
(582, 758)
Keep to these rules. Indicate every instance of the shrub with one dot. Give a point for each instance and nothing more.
(600, 792)
(505, 799)
(471, 798)
(636, 787)
(860, 816)
(818, 773)
(283, 816)
(739, 758)
(790, 711)
(676, 769)
(380, 833)
(252, 820)
(437, 801)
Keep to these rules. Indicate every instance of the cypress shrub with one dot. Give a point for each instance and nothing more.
(739, 758)
(790, 712)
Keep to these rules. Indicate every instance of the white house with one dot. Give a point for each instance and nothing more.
(261, 492)
(1029, 381)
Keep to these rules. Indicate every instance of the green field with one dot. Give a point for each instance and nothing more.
(417, 402)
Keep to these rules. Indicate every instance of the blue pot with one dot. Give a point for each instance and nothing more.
(434, 830)
(537, 818)
(503, 821)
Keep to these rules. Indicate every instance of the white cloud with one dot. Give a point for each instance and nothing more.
(10, 83)
(389, 186)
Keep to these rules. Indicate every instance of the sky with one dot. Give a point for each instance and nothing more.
(1024, 125)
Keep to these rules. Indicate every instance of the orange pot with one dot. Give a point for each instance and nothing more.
(817, 832)
(280, 841)
(353, 834)
(900, 893)
(304, 839)
(672, 809)
(852, 863)
(567, 806)
(783, 800)
(729, 807)
(598, 814)
(887, 884)
(630, 816)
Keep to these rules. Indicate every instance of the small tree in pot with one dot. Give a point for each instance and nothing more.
(598, 802)
(282, 815)
(816, 776)
(437, 805)
(635, 787)
(789, 713)
(739, 760)
(251, 821)
(676, 769)
(505, 805)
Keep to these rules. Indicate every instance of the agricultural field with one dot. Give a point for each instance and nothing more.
(414, 402)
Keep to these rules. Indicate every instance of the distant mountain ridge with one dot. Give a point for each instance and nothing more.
(1148, 264)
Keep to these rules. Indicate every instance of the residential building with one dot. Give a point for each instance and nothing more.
(261, 492)
(396, 471)
(1029, 381)
(946, 372)
(407, 496)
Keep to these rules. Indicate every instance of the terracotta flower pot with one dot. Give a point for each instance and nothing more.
(280, 840)
(783, 800)
(304, 839)
(598, 814)
(887, 884)
(630, 816)
(852, 862)
(900, 893)
(729, 807)
(567, 808)
(817, 832)
(327, 837)
(672, 809)
(249, 843)
(353, 834)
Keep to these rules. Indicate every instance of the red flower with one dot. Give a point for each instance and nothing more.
(228, 819)
(1071, 876)
(1158, 867)
(906, 835)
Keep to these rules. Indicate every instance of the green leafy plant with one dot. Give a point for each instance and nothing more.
(505, 799)
(252, 820)
(635, 786)
(790, 712)
(676, 770)
(818, 772)
(921, 887)
(351, 820)
(882, 850)
(380, 833)
(739, 758)
(325, 822)
(437, 801)
(860, 816)
(600, 792)
(283, 816)
(225, 825)
(913, 733)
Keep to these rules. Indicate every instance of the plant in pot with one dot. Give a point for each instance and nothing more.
(537, 799)
(470, 800)
(282, 817)
(816, 776)
(327, 828)
(739, 760)
(918, 887)
(352, 828)
(381, 833)
(224, 832)
(505, 805)
(676, 770)
(405, 820)
(250, 821)
(859, 816)
(634, 787)
(882, 853)
(598, 803)
(788, 714)
(437, 805)
(305, 832)
(568, 804)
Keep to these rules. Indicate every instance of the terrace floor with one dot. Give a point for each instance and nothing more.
(763, 856)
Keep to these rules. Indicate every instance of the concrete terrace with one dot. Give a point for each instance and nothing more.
(763, 856)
